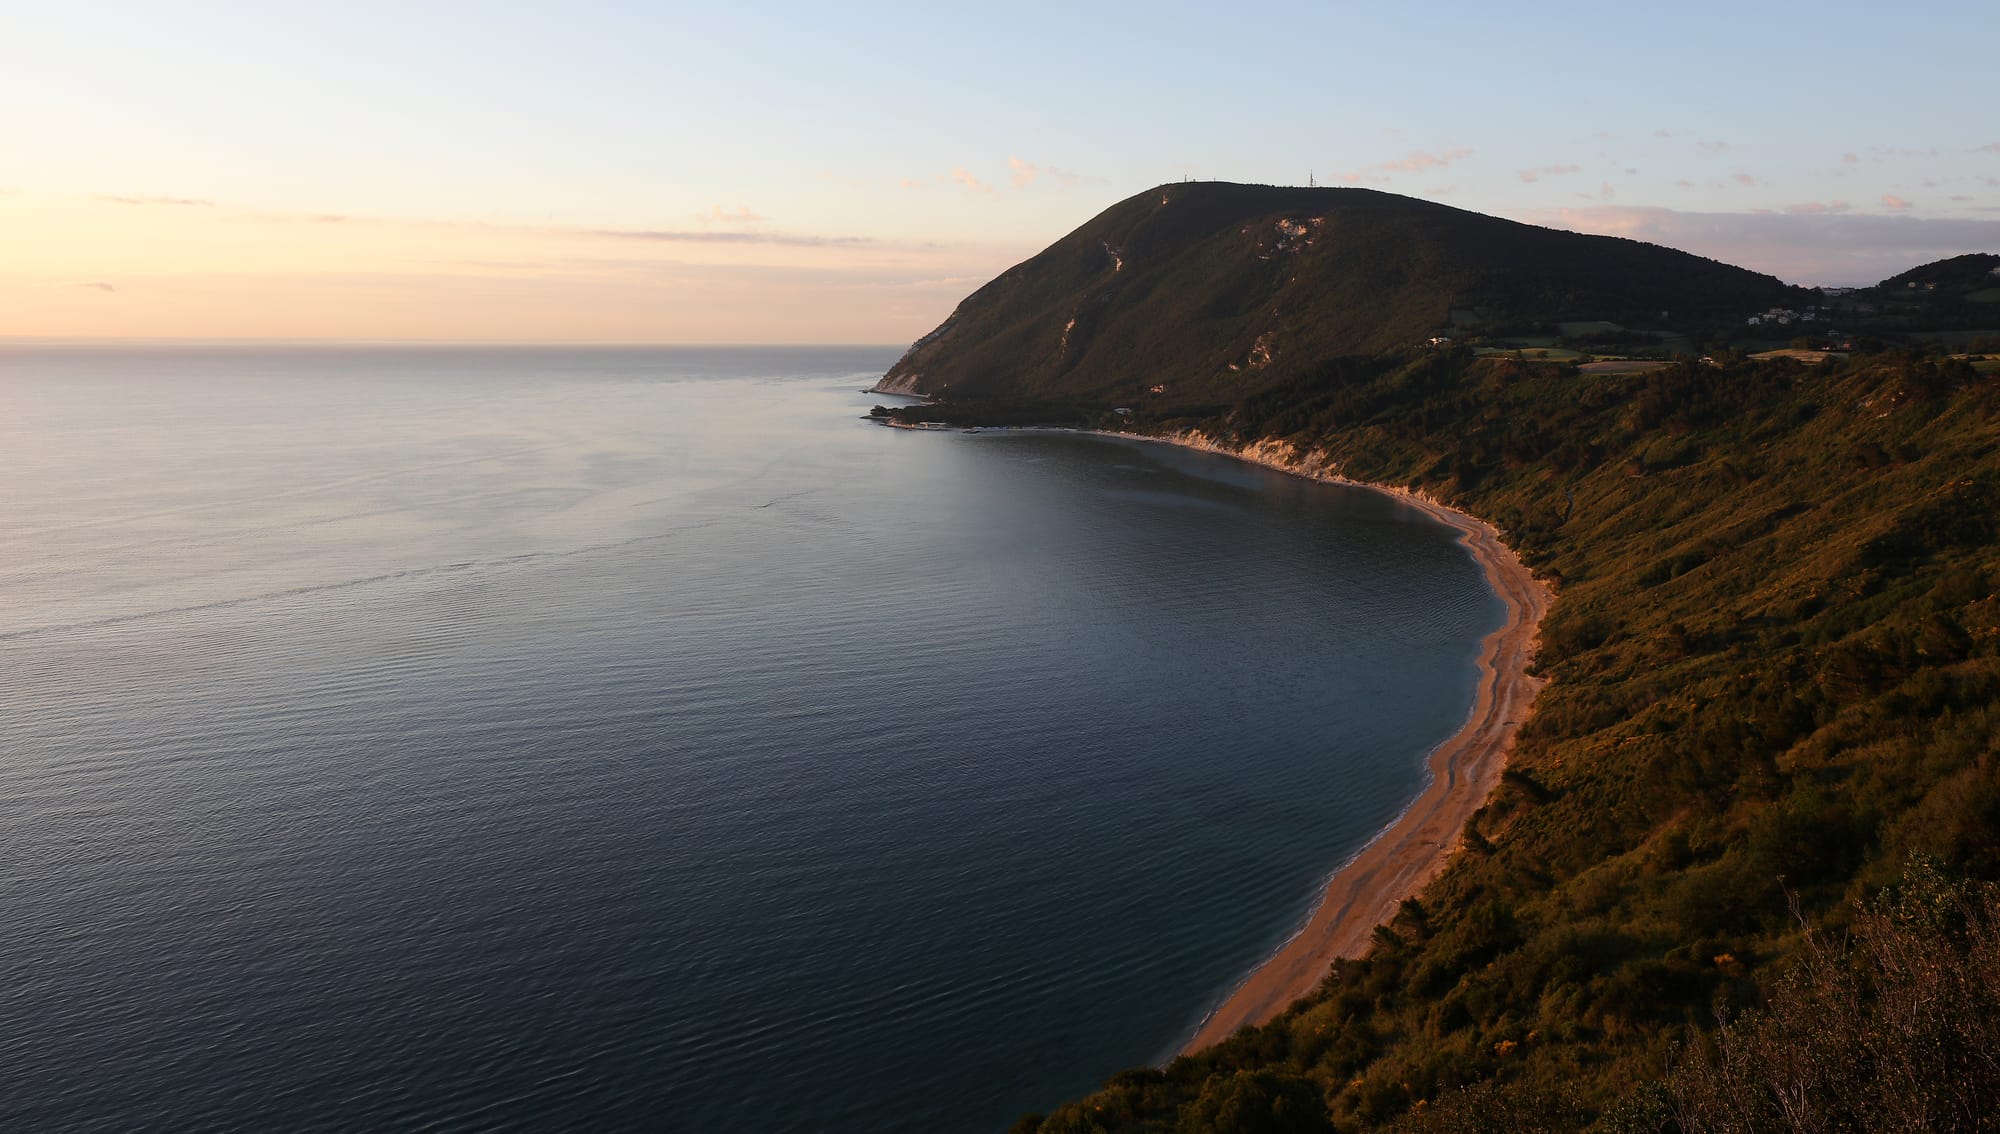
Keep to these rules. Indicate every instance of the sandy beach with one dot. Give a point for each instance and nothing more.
(1365, 892)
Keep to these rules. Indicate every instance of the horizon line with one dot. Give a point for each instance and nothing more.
(248, 340)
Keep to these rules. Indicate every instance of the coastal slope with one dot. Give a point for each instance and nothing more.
(1367, 890)
(1198, 294)
(1767, 705)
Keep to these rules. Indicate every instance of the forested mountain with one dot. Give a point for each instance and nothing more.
(1214, 291)
(1739, 873)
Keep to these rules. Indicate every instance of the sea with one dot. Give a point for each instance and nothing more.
(457, 738)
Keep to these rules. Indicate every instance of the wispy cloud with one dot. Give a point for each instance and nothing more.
(1991, 147)
(1532, 175)
(1713, 147)
(1417, 161)
(196, 202)
(1817, 208)
(741, 214)
(964, 177)
(1891, 201)
(787, 240)
(1850, 159)
(1744, 179)
(1025, 173)
(100, 285)
(1826, 247)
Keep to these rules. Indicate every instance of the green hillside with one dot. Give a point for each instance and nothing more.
(1774, 704)
(1775, 663)
(1214, 290)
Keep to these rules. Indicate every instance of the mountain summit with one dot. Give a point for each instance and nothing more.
(1213, 290)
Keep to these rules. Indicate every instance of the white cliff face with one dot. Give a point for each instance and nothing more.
(1317, 464)
(904, 383)
(903, 380)
(1313, 464)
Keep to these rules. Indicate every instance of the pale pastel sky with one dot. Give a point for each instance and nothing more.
(625, 172)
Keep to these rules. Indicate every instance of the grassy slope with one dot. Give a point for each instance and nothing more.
(1776, 663)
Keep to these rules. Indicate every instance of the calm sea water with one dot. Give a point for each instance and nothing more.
(459, 739)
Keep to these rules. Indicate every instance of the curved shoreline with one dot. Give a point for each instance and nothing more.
(1366, 891)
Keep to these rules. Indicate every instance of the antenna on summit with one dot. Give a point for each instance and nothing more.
(1310, 183)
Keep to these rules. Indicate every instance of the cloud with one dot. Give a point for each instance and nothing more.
(1532, 175)
(1418, 161)
(1891, 201)
(1851, 159)
(1817, 208)
(663, 236)
(196, 202)
(740, 215)
(1025, 173)
(101, 286)
(1826, 247)
(911, 183)
(965, 178)
(1663, 133)
(1713, 147)
(1991, 147)
(1745, 179)
(1685, 183)
(1604, 193)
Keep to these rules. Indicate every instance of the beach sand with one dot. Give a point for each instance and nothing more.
(1411, 851)
(1366, 891)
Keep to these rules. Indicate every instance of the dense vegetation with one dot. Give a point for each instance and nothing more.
(1738, 873)
(1961, 294)
(1210, 290)
(1776, 681)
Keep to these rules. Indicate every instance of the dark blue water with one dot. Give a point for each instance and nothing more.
(458, 739)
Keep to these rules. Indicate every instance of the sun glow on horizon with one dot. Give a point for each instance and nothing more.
(117, 267)
(611, 171)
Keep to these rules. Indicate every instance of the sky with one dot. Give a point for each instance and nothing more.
(599, 171)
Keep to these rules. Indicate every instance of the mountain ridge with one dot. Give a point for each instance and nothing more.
(1772, 710)
(1214, 291)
